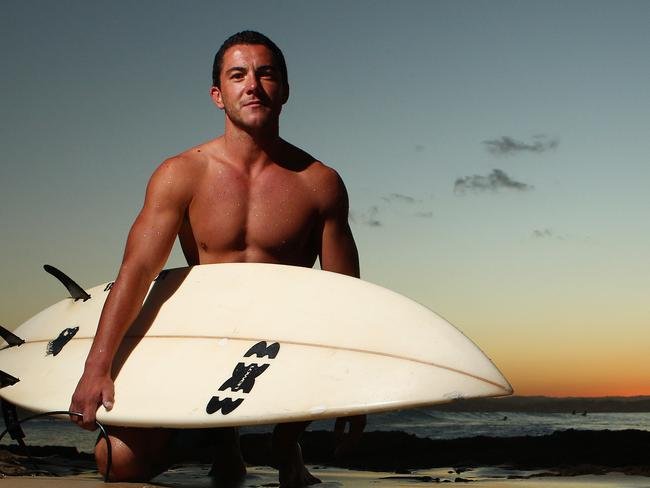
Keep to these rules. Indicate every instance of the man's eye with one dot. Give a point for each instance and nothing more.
(236, 76)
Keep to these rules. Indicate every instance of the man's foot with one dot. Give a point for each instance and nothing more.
(293, 472)
(226, 474)
(288, 456)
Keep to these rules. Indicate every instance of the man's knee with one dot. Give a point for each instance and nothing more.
(137, 455)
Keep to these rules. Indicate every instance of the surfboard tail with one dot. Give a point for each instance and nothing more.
(11, 338)
(7, 380)
(73, 288)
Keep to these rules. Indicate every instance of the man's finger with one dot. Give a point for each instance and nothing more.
(75, 418)
(88, 421)
(108, 398)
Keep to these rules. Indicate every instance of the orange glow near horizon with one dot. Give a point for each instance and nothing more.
(582, 391)
(592, 373)
(556, 384)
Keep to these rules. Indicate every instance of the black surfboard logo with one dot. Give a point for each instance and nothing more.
(226, 405)
(54, 346)
(261, 349)
(243, 378)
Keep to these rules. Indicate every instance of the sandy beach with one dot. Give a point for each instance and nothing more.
(384, 459)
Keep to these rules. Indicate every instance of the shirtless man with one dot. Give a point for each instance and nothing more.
(246, 196)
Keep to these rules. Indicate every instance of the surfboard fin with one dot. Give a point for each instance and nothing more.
(7, 380)
(11, 338)
(12, 424)
(73, 288)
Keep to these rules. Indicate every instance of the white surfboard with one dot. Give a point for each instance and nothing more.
(241, 344)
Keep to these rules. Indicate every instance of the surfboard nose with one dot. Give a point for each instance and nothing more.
(508, 389)
(502, 383)
(483, 369)
(492, 374)
(487, 381)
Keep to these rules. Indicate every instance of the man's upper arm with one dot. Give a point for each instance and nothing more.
(338, 251)
(154, 230)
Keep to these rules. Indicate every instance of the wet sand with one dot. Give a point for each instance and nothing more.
(332, 477)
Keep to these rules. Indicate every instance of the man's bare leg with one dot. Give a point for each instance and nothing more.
(347, 442)
(288, 456)
(137, 454)
(141, 454)
(228, 466)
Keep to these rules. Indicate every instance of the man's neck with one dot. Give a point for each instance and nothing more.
(251, 151)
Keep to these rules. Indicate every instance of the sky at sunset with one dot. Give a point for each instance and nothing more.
(496, 154)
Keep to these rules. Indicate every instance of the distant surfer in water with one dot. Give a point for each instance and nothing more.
(246, 196)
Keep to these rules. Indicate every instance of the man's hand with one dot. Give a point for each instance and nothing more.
(346, 442)
(92, 392)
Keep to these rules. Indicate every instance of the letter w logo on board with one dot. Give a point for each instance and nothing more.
(226, 405)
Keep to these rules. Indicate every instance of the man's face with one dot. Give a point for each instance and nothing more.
(252, 90)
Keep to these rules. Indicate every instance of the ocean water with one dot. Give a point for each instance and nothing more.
(421, 422)
(450, 425)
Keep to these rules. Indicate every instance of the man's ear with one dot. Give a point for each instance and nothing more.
(285, 95)
(215, 94)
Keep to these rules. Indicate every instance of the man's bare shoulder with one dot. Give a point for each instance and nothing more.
(326, 176)
(327, 186)
(310, 167)
(178, 175)
(195, 158)
(190, 163)
(324, 181)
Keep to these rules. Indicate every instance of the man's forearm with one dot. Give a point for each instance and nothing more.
(120, 310)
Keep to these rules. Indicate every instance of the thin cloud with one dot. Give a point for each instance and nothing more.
(496, 180)
(542, 233)
(507, 146)
(369, 218)
(399, 197)
(546, 234)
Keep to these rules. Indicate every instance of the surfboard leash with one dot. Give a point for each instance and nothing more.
(13, 427)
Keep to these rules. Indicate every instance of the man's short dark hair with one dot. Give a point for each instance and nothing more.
(248, 37)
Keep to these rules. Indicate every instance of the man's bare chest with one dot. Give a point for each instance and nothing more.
(270, 213)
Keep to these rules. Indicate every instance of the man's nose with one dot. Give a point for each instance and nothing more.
(252, 84)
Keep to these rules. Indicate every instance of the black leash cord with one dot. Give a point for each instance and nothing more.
(109, 453)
